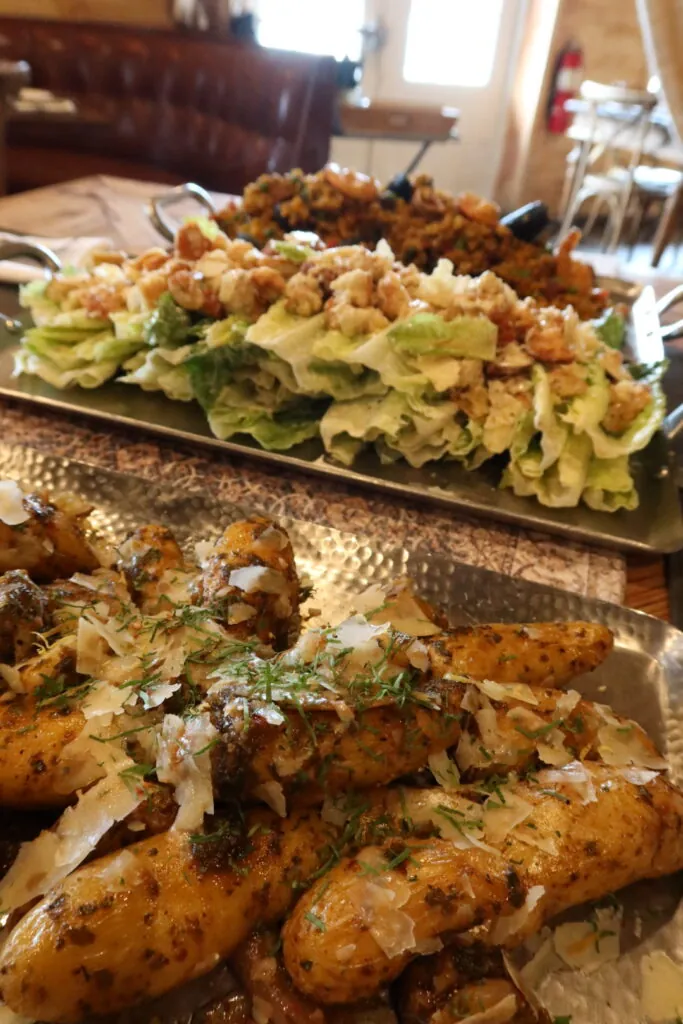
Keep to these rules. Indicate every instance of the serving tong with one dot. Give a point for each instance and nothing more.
(11, 249)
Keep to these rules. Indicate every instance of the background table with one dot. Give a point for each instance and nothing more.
(113, 207)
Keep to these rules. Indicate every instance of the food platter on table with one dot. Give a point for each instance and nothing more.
(201, 746)
(346, 362)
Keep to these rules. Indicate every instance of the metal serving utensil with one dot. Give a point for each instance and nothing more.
(13, 249)
(157, 206)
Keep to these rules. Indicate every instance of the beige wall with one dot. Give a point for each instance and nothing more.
(133, 12)
(609, 34)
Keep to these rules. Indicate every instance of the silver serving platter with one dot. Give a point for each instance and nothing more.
(642, 678)
(656, 526)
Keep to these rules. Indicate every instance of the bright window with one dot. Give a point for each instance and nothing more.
(452, 42)
(309, 26)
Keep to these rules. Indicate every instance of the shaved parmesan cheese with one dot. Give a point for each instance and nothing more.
(470, 702)
(391, 928)
(270, 540)
(543, 961)
(254, 579)
(240, 612)
(505, 692)
(203, 550)
(567, 703)
(344, 953)
(418, 655)
(505, 927)
(91, 648)
(175, 585)
(44, 862)
(531, 837)
(12, 511)
(444, 770)
(638, 776)
(333, 814)
(622, 743)
(662, 998)
(402, 611)
(588, 945)
(104, 699)
(574, 774)
(154, 696)
(272, 794)
(501, 1013)
(118, 639)
(12, 677)
(501, 818)
(183, 760)
(487, 723)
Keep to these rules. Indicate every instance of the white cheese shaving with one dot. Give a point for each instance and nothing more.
(624, 743)
(12, 677)
(391, 928)
(418, 656)
(203, 550)
(240, 611)
(118, 639)
(588, 945)
(254, 579)
(154, 696)
(501, 1013)
(662, 996)
(444, 770)
(175, 584)
(574, 774)
(91, 648)
(505, 692)
(544, 959)
(272, 794)
(44, 862)
(12, 511)
(505, 927)
(638, 776)
(501, 818)
(104, 699)
(567, 703)
(332, 813)
(184, 761)
(344, 953)
(271, 540)
(401, 610)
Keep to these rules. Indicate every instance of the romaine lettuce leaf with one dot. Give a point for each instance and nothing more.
(561, 485)
(398, 425)
(610, 486)
(89, 376)
(277, 432)
(295, 343)
(427, 334)
(161, 369)
(638, 435)
(98, 348)
(169, 325)
(549, 436)
(611, 328)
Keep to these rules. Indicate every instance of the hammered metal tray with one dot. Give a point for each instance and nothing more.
(643, 678)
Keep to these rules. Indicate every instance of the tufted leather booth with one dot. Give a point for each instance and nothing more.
(166, 106)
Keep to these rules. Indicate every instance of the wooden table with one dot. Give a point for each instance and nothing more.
(112, 207)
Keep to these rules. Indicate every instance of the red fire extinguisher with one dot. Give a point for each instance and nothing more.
(565, 86)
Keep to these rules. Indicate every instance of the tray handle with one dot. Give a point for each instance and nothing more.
(10, 250)
(675, 330)
(156, 207)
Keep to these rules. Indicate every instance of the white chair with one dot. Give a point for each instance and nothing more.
(614, 121)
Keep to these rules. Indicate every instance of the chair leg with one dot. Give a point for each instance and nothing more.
(592, 216)
(665, 228)
(640, 215)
